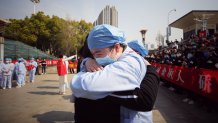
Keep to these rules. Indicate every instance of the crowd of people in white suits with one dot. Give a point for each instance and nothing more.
(18, 71)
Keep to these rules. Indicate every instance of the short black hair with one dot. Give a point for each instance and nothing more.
(60, 56)
(85, 51)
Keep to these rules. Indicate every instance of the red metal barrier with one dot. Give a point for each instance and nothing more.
(200, 81)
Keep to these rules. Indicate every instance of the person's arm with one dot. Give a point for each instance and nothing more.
(119, 76)
(4, 69)
(82, 66)
(90, 65)
(143, 98)
(71, 57)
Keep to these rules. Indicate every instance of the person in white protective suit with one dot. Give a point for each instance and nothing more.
(123, 70)
(32, 72)
(1, 73)
(6, 70)
(20, 71)
(12, 69)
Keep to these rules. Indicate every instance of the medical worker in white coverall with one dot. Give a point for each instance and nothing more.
(1, 72)
(6, 70)
(20, 71)
(123, 70)
(33, 70)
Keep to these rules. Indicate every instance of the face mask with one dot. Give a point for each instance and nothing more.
(105, 60)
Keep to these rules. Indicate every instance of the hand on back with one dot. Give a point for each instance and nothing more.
(92, 66)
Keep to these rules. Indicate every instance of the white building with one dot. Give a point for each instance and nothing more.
(108, 15)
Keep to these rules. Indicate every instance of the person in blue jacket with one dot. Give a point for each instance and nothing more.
(123, 70)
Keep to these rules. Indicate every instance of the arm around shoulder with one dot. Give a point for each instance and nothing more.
(146, 94)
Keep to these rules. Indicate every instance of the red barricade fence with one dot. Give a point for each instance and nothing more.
(49, 62)
(200, 81)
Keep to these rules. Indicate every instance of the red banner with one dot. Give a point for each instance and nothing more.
(200, 81)
(48, 62)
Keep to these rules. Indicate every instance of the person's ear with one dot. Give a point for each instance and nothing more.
(117, 47)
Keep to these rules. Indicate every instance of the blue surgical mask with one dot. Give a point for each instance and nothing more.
(105, 60)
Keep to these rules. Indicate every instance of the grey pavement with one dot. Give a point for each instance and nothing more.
(36, 102)
(173, 109)
(39, 102)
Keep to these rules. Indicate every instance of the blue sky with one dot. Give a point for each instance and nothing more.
(133, 15)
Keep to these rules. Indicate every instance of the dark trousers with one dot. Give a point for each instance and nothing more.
(43, 69)
(96, 111)
(37, 71)
(71, 70)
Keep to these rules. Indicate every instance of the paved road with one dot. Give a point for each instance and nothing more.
(40, 102)
(36, 102)
(173, 110)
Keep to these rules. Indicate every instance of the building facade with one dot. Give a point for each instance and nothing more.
(197, 21)
(108, 15)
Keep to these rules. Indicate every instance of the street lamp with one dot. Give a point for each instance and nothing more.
(168, 28)
(34, 7)
(143, 31)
